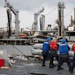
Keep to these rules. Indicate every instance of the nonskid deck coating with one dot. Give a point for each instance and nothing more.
(34, 67)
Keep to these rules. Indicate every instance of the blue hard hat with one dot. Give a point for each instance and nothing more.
(48, 39)
(63, 40)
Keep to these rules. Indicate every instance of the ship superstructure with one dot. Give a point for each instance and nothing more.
(71, 27)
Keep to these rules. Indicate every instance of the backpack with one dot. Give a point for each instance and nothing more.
(53, 45)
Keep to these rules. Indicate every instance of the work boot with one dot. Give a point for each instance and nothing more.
(58, 69)
(43, 65)
(71, 70)
(54, 65)
(50, 66)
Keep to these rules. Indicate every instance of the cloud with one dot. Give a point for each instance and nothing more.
(31, 5)
(26, 19)
(28, 7)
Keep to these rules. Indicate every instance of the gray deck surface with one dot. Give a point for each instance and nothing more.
(34, 68)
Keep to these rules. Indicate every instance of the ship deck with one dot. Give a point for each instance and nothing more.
(33, 67)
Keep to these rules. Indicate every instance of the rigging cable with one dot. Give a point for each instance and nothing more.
(68, 14)
(50, 11)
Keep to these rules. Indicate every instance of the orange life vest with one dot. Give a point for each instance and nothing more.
(74, 47)
(53, 45)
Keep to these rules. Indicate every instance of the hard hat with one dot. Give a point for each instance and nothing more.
(63, 40)
(48, 39)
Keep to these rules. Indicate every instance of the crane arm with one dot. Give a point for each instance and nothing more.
(9, 16)
(40, 11)
(16, 13)
(35, 24)
(10, 7)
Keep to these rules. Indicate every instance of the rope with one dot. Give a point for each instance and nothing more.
(68, 14)
(21, 52)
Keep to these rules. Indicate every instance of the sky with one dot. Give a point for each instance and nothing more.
(27, 8)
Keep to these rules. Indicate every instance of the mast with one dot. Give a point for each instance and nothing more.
(61, 19)
(74, 15)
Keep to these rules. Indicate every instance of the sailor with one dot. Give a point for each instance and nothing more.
(64, 55)
(73, 62)
(53, 52)
(45, 51)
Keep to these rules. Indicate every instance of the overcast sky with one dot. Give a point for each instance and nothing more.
(27, 8)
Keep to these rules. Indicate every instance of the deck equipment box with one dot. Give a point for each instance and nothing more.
(1, 62)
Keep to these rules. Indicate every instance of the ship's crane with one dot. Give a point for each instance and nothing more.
(9, 17)
(16, 13)
(35, 24)
(61, 8)
(42, 22)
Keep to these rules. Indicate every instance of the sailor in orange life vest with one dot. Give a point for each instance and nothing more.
(53, 52)
(73, 62)
(45, 51)
(64, 55)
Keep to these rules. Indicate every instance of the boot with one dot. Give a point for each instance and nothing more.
(59, 68)
(43, 65)
(51, 66)
(71, 70)
(54, 65)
